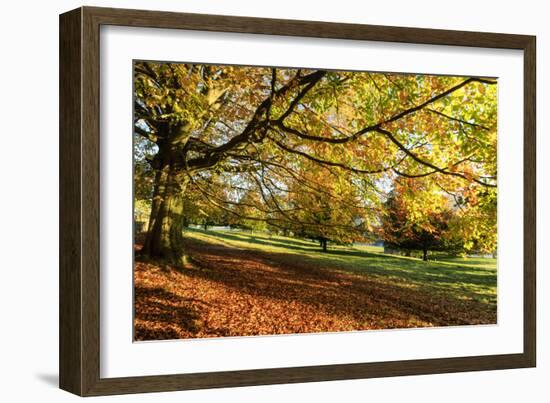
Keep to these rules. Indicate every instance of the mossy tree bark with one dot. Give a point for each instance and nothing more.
(166, 224)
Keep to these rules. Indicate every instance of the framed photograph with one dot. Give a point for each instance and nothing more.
(248, 201)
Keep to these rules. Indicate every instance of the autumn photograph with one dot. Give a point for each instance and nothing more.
(284, 200)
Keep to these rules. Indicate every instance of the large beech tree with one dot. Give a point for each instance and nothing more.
(289, 146)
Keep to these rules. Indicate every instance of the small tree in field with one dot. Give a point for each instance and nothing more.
(247, 214)
(407, 226)
(333, 209)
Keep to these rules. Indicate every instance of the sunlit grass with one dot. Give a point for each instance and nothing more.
(464, 278)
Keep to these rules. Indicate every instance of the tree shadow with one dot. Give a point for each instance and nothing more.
(177, 315)
(250, 238)
(443, 273)
(430, 272)
(286, 277)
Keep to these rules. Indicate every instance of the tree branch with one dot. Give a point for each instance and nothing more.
(416, 158)
(216, 153)
(341, 140)
(326, 162)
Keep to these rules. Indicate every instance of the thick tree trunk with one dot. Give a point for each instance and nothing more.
(164, 239)
(158, 193)
(425, 253)
(324, 244)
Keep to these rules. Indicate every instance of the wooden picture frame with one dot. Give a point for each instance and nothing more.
(80, 185)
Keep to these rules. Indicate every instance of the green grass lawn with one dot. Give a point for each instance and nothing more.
(462, 278)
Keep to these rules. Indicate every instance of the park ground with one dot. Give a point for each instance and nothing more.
(244, 284)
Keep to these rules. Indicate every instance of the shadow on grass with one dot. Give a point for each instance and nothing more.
(443, 275)
(250, 238)
(410, 269)
(316, 282)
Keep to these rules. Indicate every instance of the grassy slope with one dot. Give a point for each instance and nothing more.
(462, 278)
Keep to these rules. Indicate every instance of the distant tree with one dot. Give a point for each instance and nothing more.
(248, 212)
(334, 208)
(404, 226)
(472, 228)
(423, 215)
